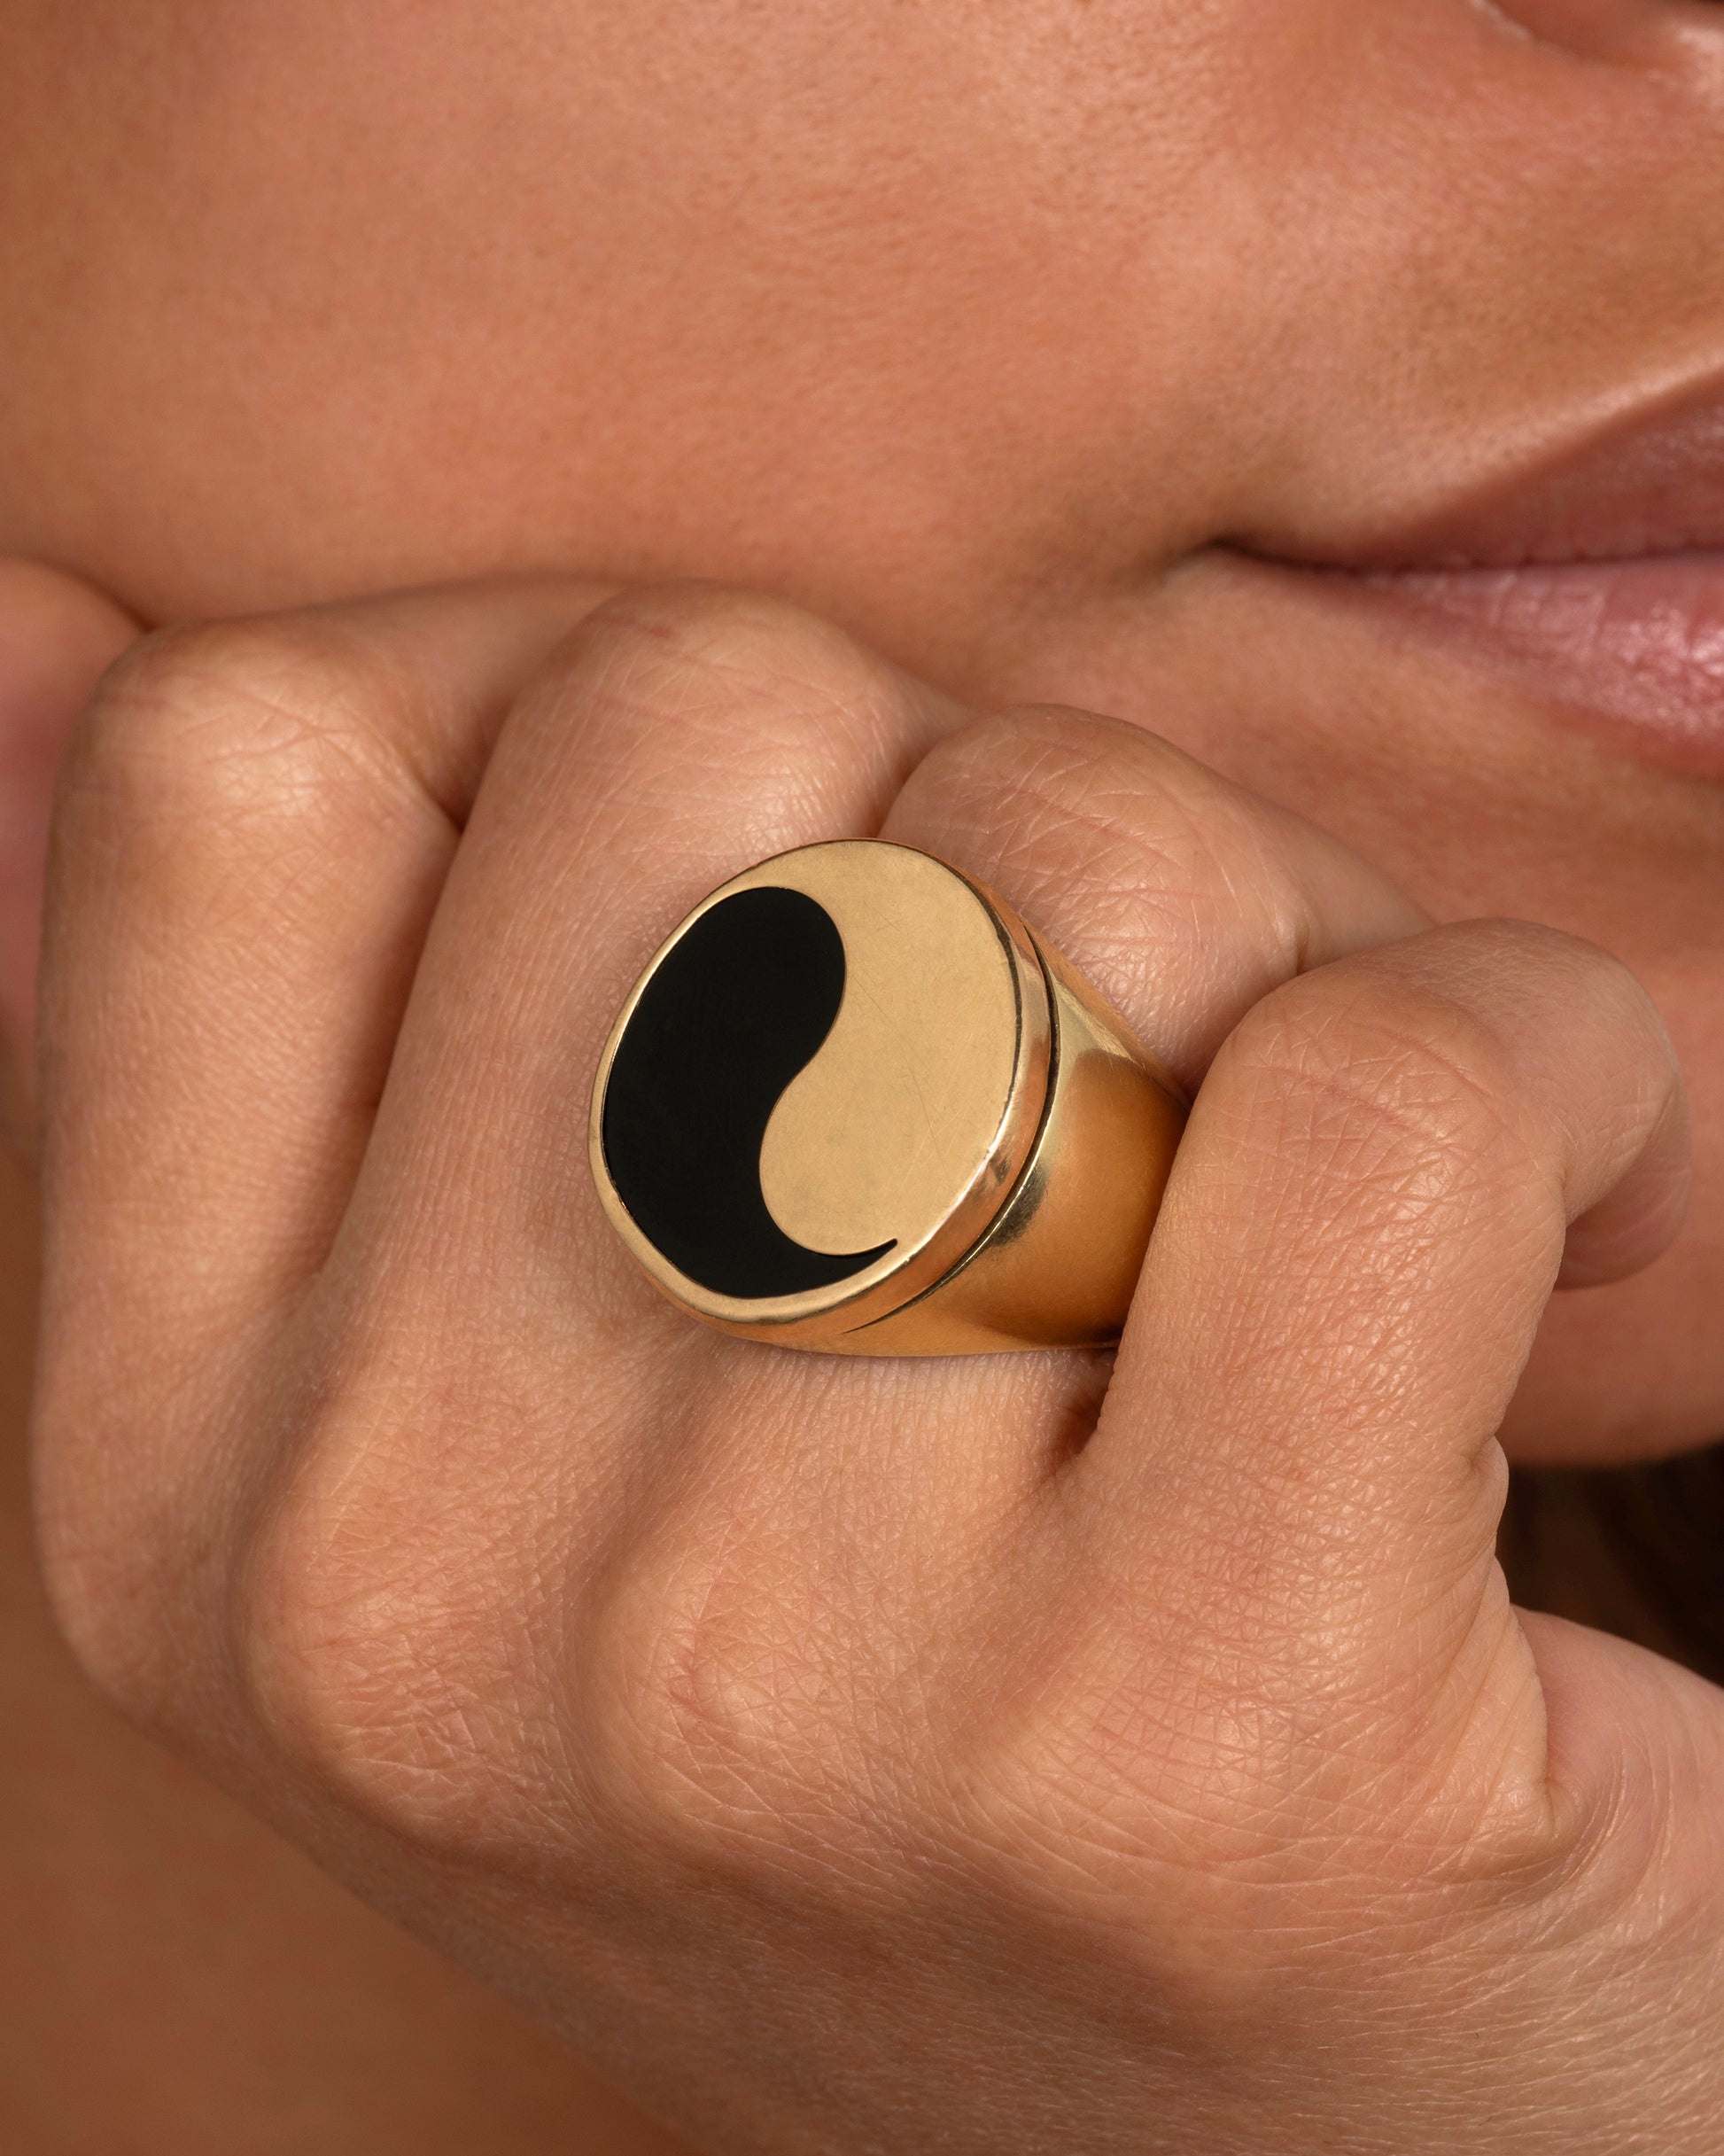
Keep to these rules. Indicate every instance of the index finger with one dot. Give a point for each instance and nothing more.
(254, 820)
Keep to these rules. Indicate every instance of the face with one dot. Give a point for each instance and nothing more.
(1338, 389)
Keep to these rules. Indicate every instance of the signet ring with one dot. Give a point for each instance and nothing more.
(854, 1104)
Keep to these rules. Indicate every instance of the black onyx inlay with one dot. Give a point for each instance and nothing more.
(737, 1008)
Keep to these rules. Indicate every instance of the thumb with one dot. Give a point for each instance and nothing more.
(57, 636)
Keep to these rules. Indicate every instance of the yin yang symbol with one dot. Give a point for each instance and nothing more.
(739, 1005)
(811, 1082)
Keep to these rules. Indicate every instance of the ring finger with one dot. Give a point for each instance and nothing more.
(687, 740)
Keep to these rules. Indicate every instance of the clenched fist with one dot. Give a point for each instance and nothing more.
(1062, 1752)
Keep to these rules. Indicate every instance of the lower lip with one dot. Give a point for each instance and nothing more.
(1633, 649)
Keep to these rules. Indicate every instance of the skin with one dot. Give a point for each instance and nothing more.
(1012, 343)
(179, 1979)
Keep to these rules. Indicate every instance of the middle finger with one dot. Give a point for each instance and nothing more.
(535, 1424)
(1184, 898)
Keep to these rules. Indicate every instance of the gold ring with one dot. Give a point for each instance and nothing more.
(854, 1104)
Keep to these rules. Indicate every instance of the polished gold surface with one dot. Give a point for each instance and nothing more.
(1058, 1266)
(974, 1105)
(902, 1110)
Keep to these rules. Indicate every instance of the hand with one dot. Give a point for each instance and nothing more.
(1001, 1755)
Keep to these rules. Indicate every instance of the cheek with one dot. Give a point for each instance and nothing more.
(56, 638)
(841, 300)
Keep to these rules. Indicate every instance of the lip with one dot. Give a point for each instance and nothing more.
(1594, 572)
(1634, 649)
(1644, 479)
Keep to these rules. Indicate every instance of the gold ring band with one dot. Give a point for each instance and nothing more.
(855, 1105)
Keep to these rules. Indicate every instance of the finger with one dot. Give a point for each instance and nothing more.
(57, 635)
(253, 822)
(1367, 1215)
(1187, 900)
(684, 735)
(1183, 897)
(684, 740)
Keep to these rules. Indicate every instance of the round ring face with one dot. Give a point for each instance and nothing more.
(822, 1089)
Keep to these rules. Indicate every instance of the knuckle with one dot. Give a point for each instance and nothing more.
(400, 1649)
(1374, 1067)
(429, 1635)
(724, 628)
(1171, 863)
(1039, 766)
(684, 657)
(1161, 1818)
(715, 1725)
(227, 722)
(379, 1619)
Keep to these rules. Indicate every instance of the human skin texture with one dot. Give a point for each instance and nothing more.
(1010, 337)
(1050, 351)
(178, 1980)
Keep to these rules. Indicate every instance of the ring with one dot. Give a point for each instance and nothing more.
(855, 1105)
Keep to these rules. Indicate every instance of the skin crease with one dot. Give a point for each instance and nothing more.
(1029, 512)
(989, 333)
